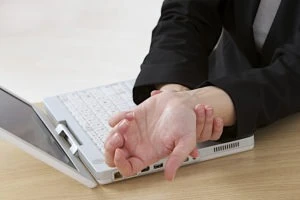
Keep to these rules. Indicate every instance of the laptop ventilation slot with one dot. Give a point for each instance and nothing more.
(227, 147)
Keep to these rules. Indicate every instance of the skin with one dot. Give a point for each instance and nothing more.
(209, 127)
(168, 124)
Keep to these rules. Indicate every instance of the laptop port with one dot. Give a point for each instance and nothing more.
(146, 169)
(186, 160)
(117, 175)
(157, 166)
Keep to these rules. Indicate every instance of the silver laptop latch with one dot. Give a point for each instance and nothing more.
(63, 131)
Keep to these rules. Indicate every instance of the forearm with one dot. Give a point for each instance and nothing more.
(172, 87)
(211, 96)
(262, 96)
(185, 35)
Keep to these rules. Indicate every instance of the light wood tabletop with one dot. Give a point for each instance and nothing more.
(270, 171)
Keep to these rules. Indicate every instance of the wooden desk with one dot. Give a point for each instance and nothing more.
(270, 171)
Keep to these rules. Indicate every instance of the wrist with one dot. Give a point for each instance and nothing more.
(172, 87)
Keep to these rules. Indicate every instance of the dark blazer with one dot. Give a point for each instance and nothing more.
(264, 85)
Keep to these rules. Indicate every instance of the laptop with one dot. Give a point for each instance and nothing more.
(68, 131)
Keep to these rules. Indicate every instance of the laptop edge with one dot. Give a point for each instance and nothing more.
(79, 173)
(207, 151)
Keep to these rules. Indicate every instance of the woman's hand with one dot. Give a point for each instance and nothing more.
(167, 124)
(162, 126)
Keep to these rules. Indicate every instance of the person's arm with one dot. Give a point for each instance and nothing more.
(185, 35)
(264, 95)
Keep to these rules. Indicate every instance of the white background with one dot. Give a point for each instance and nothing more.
(49, 47)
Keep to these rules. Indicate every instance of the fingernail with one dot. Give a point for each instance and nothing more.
(130, 115)
(199, 107)
(209, 110)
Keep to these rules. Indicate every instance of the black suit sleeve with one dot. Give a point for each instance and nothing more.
(264, 95)
(185, 35)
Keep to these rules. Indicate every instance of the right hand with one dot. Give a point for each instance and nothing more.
(162, 126)
(209, 127)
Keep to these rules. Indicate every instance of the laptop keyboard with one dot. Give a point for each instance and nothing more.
(92, 108)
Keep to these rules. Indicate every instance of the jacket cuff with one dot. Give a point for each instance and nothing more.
(150, 76)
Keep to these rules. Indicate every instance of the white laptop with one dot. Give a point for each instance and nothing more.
(70, 135)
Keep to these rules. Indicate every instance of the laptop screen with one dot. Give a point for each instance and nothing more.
(19, 118)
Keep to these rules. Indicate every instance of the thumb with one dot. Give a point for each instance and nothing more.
(176, 158)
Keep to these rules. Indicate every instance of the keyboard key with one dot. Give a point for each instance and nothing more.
(92, 108)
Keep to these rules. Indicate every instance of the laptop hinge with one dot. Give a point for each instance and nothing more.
(64, 132)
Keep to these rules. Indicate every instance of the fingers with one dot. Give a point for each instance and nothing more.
(127, 166)
(195, 153)
(114, 141)
(129, 115)
(200, 116)
(122, 163)
(116, 119)
(218, 125)
(208, 127)
(207, 130)
(176, 158)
